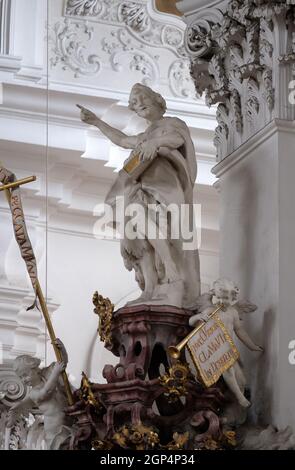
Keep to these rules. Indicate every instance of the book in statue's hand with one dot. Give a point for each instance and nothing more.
(134, 166)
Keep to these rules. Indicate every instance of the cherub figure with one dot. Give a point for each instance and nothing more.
(226, 292)
(46, 392)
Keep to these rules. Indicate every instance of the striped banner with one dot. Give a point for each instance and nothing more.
(20, 229)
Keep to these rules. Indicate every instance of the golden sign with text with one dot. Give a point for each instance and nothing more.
(211, 351)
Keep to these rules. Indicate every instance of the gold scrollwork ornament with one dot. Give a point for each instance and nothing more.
(87, 395)
(175, 381)
(104, 309)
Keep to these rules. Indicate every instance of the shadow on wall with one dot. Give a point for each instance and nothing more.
(252, 251)
(265, 371)
(247, 217)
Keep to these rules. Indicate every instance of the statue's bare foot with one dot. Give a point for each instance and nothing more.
(145, 296)
(244, 402)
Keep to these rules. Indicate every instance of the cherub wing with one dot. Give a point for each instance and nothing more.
(244, 306)
(21, 408)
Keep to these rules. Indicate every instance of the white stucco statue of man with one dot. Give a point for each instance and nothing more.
(167, 273)
(226, 292)
(46, 392)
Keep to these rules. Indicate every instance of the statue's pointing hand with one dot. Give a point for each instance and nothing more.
(87, 116)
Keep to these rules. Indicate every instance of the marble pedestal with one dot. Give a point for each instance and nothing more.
(134, 397)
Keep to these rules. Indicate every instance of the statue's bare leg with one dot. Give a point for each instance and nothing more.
(240, 377)
(147, 270)
(231, 382)
(163, 248)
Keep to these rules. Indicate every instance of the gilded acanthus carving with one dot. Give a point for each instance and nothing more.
(104, 309)
(236, 58)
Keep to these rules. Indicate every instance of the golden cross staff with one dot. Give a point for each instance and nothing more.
(39, 294)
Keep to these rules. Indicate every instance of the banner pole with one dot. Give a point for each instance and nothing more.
(40, 296)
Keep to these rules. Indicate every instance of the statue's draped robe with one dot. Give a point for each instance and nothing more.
(169, 179)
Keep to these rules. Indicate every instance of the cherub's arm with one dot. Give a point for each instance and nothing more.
(243, 335)
(201, 317)
(49, 387)
(115, 136)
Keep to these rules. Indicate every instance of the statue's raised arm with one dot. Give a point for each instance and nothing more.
(115, 136)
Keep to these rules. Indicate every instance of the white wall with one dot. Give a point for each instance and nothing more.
(78, 267)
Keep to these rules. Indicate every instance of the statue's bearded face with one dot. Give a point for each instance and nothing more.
(145, 106)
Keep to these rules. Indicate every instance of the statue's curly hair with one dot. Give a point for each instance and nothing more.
(139, 88)
(225, 284)
(25, 362)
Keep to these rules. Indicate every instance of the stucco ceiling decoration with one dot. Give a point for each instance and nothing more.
(134, 38)
(139, 16)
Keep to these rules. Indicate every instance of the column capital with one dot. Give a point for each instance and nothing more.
(243, 60)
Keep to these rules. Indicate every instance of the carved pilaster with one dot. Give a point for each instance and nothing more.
(243, 58)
